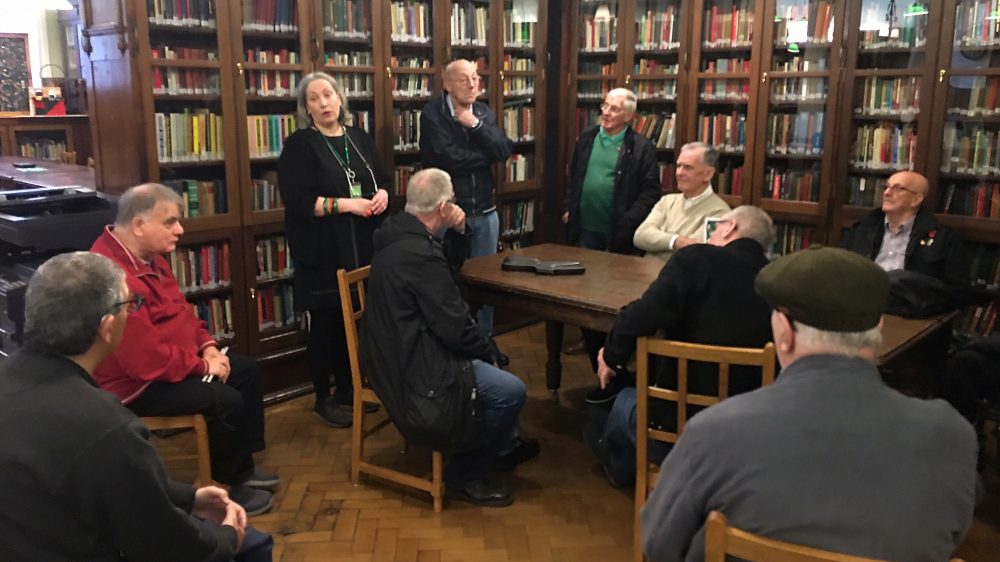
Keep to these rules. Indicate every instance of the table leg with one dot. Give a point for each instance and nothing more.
(553, 366)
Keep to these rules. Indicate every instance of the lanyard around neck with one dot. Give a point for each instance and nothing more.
(346, 162)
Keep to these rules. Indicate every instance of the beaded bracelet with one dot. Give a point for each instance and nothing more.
(323, 204)
(336, 209)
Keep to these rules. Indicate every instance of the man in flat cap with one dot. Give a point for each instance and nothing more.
(828, 456)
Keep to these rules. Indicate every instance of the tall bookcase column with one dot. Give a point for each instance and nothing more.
(796, 116)
(520, 106)
(346, 47)
(886, 101)
(657, 73)
(273, 46)
(965, 173)
(412, 76)
(724, 89)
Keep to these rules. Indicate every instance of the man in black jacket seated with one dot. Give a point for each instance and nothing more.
(418, 334)
(903, 234)
(461, 136)
(80, 481)
(704, 294)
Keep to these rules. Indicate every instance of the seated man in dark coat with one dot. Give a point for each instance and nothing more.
(704, 294)
(80, 481)
(903, 234)
(426, 352)
(828, 456)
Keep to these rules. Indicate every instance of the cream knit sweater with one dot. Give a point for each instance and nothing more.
(669, 218)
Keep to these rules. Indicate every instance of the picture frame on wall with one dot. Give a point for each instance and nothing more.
(15, 74)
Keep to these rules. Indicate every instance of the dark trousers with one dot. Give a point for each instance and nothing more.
(326, 346)
(234, 412)
(593, 339)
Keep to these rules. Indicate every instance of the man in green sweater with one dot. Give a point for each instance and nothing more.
(678, 219)
(614, 182)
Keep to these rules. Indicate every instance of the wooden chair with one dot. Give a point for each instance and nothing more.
(721, 539)
(352, 301)
(646, 472)
(196, 422)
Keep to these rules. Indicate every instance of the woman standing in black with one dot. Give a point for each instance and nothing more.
(329, 176)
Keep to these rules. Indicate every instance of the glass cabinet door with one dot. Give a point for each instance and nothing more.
(597, 68)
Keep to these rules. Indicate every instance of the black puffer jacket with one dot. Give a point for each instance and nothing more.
(637, 187)
(419, 337)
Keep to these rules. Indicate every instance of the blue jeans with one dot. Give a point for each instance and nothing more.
(502, 397)
(484, 232)
(619, 434)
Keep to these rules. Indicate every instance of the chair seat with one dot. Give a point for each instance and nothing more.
(197, 423)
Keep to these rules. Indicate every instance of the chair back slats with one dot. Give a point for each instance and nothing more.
(721, 539)
(353, 283)
(684, 353)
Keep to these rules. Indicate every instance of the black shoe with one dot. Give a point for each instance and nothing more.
(328, 411)
(253, 500)
(498, 357)
(370, 407)
(262, 480)
(483, 493)
(525, 450)
(593, 437)
(604, 395)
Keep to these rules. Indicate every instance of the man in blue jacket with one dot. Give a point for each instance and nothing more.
(461, 136)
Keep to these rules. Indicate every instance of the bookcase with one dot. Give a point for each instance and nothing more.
(45, 137)
(200, 96)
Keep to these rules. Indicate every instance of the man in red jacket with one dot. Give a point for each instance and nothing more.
(166, 355)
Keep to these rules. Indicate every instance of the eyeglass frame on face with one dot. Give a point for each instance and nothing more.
(898, 187)
(131, 304)
(616, 109)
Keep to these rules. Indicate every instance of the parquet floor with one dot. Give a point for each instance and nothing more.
(564, 509)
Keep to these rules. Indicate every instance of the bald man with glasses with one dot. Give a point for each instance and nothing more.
(904, 234)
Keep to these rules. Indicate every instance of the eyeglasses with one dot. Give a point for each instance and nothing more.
(611, 108)
(897, 187)
(133, 304)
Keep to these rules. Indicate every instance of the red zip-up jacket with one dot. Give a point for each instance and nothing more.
(163, 340)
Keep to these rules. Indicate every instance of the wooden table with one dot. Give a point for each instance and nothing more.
(592, 300)
(55, 174)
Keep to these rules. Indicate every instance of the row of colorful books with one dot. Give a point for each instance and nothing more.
(271, 15)
(812, 62)
(200, 198)
(266, 195)
(519, 122)
(168, 52)
(980, 200)
(519, 86)
(587, 67)
(866, 191)
(356, 84)
(968, 148)
(276, 307)
(798, 89)
(185, 81)
(42, 149)
(412, 85)
(795, 133)
(194, 135)
(401, 178)
(518, 64)
(519, 34)
(659, 128)
(655, 90)
(272, 83)
(519, 167)
(724, 89)
(789, 238)
(810, 21)
(406, 124)
(659, 27)
(517, 218)
(469, 24)
(884, 146)
(599, 31)
(980, 319)
(201, 267)
(975, 24)
(593, 90)
(645, 66)
(725, 65)
(351, 58)
(728, 24)
(217, 314)
(274, 261)
(266, 134)
(729, 178)
(190, 13)
(792, 184)
(889, 96)
(724, 131)
(346, 19)
(975, 96)
(410, 22)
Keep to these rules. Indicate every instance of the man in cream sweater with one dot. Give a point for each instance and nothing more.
(678, 219)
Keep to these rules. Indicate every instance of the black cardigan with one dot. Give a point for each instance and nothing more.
(321, 245)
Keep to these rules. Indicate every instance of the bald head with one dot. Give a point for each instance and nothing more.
(461, 79)
(904, 193)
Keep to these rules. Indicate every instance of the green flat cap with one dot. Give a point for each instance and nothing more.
(826, 288)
